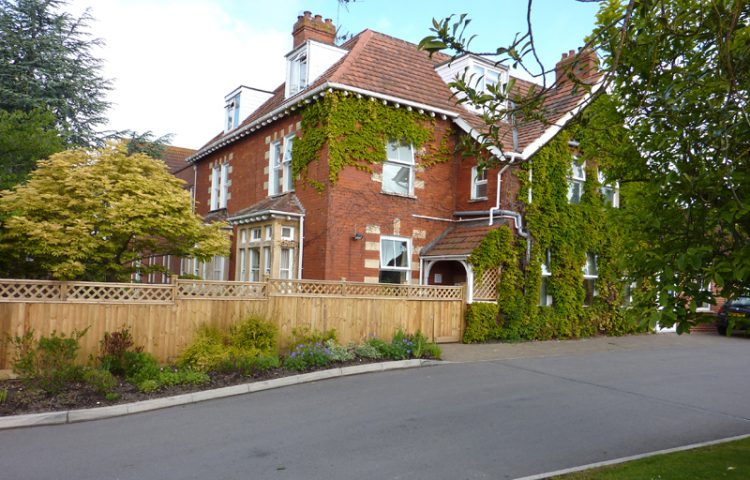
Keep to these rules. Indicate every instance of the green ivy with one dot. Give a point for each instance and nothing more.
(569, 231)
(356, 130)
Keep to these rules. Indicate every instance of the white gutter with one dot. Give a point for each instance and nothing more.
(392, 99)
(264, 212)
(292, 104)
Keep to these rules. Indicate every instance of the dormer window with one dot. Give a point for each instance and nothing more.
(298, 73)
(232, 113)
(485, 78)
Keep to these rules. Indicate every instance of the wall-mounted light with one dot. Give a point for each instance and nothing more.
(358, 236)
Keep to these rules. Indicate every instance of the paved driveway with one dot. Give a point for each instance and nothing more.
(502, 418)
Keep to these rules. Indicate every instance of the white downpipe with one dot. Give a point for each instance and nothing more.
(195, 185)
(301, 245)
(497, 195)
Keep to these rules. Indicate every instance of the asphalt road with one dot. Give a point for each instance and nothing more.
(495, 419)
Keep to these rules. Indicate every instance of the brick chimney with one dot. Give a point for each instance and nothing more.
(581, 66)
(309, 27)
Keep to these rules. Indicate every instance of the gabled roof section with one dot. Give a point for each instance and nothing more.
(397, 72)
(175, 157)
(460, 239)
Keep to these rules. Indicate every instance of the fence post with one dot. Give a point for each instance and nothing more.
(175, 288)
(64, 291)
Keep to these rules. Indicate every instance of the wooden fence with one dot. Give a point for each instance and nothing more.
(163, 318)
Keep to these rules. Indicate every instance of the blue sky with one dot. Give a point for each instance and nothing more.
(187, 54)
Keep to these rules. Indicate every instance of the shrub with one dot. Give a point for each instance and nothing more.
(114, 350)
(49, 363)
(308, 355)
(207, 352)
(3, 395)
(148, 386)
(100, 380)
(256, 365)
(141, 366)
(339, 353)
(367, 350)
(303, 335)
(181, 377)
(254, 333)
(481, 323)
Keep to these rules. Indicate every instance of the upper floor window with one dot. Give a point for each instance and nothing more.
(609, 191)
(298, 72)
(478, 183)
(398, 169)
(287, 233)
(219, 186)
(485, 78)
(395, 259)
(233, 113)
(576, 180)
(280, 178)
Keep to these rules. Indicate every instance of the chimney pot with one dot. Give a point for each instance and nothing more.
(308, 27)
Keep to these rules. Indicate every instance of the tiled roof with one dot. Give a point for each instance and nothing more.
(287, 203)
(460, 239)
(388, 66)
(175, 157)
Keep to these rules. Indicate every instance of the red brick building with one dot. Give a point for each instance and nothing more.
(403, 221)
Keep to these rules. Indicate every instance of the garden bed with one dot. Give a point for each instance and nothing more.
(22, 399)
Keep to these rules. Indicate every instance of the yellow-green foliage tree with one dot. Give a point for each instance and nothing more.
(92, 214)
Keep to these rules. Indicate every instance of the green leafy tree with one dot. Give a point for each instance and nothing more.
(24, 139)
(145, 143)
(678, 72)
(92, 214)
(46, 62)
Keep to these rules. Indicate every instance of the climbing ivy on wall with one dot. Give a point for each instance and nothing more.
(356, 130)
(569, 231)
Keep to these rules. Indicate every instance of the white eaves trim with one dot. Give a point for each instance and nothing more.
(553, 130)
(534, 146)
(320, 91)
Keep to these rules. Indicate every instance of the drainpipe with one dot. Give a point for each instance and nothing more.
(301, 245)
(516, 216)
(195, 185)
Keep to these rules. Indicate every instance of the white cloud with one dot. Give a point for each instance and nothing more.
(172, 62)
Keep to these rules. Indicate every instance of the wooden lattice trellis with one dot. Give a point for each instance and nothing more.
(220, 290)
(351, 289)
(485, 287)
(23, 290)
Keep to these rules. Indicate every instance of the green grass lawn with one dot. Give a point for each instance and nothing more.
(727, 460)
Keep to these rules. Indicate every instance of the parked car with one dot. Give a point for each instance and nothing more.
(737, 312)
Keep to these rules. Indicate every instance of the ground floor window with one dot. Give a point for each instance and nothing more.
(286, 263)
(395, 259)
(545, 299)
(255, 265)
(590, 274)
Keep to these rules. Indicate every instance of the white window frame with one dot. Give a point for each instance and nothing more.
(288, 272)
(588, 275)
(290, 235)
(545, 299)
(219, 186)
(255, 234)
(705, 307)
(269, 232)
(476, 182)
(576, 180)
(399, 163)
(604, 186)
(267, 261)
(274, 169)
(406, 269)
(254, 265)
(287, 178)
(233, 113)
(243, 265)
(299, 68)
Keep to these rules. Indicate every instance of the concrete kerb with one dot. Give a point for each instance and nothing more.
(616, 461)
(74, 416)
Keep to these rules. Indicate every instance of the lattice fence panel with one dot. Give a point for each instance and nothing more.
(485, 288)
(350, 289)
(220, 290)
(104, 293)
(20, 290)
